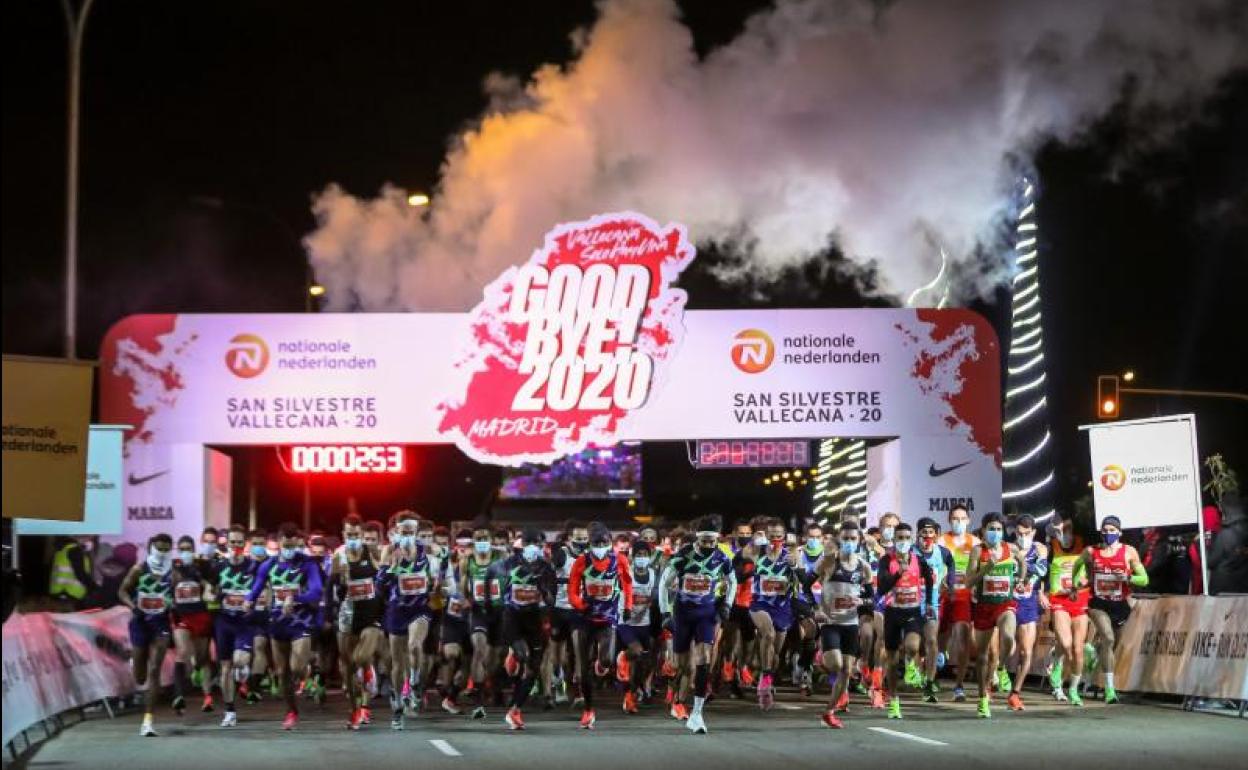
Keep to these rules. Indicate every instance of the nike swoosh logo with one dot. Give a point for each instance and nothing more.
(137, 480)
(933, 471)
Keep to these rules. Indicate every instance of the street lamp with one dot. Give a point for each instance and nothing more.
(1128, 376)
(76, 27)
(316, 290)
(417, 200)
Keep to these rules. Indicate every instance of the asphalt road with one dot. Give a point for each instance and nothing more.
(945, 735)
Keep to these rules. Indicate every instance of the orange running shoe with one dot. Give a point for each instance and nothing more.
(513, 719)
(877, 699)
(679, 711)
(729, 672)
(207, 706)
(366, 715)
(291, 720)
(671, 696)
(747, 676)
(1015, 702)
(623, 669)
(588, 719)
(829, 719)
(630, 703)
(877, 679)
(842, 703)
(357, 719)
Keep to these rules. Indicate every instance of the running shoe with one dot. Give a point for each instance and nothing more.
(829, 719)
(877, 699)
(588, 719)
(747, 676)
(1059, 695)
(1055, 677)
(1075, 698)
(355, 720)
(206, 707)
(230, 719)
(197, 677)
(630, 703)
(695, 724)
(729, 672)
(450, 706)
(478, 712)
(179, 704)
(843, 704)
(291, 720)
(366, 715)
(274, 688)
(396, 721)
(894, 708)
(623, 669)
(913, 677)
(514, 719)
(679, 711)
(253, 697)
(940, 660)
(668, 670)
(959, 694)
(985, 710)
(1003, 680)
(766, 698)
(808, 683)
(929, 691)
(1091, 661)
(411, 705)
(1015, 702)
(860, 688)
(1111, 696)
(561, 693)
(147, 730)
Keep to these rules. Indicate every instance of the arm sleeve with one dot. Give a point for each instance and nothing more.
(626, 582)
(886, 579)
(1139, 575)
(315, 589)
(262, 577)
(575, 578)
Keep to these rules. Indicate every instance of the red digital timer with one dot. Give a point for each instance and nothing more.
(764, 453)
(340, 458)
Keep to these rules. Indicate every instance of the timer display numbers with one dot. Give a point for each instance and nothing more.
(766, 453)
(345, 458)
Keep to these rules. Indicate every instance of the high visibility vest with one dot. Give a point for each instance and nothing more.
(64, 582)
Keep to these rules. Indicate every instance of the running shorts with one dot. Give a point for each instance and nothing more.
(198, 623)
(1118, 612)
(781, 617)
(984, 616)
(693, 623)
(1076, 609)
(232, 634)
(898, 623)
(628, 634)
(843, 637)
(455, 630)
(397, 620)
(145, 629)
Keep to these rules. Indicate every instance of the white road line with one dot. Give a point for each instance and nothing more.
(788, 707)
(445, 748)
(908, 736)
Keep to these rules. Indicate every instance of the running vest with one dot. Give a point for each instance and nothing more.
(1111, 577)
(601, 589)
(188, 589)
(153, 594)
(698, 578)
(842, 594)
(523, 592)
(643, 597)
(997, 586)
(773, 581)
(478, 579)
(360, 582)
(1026, 588)
(456, 605)
(288, 580)
(1062, 565)
(234, 583)
(411, 581)
(907, 592)
(808, 564)
(960, 548)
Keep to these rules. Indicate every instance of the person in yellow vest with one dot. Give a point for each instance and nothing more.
(72, 578)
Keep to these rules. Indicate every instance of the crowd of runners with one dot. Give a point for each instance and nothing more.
(495, 618)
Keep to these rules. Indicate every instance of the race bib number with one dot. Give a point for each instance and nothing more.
(599, 589)
(641, 601)
(996, 586)
(412, 585)
(457, 606)
(696, 585)
(844, 603)
(233, 600)
(280, 595)
(361, 590)
(188, 592)
(1110, 586)
(525, 595)
(1023, 590)
(496, 591)
(906, 596)
(478, 590)
(1067, 580)
(773, 587)
(151, 603)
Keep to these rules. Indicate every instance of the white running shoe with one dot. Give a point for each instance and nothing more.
(695, 723)
(147, 730)
(1059, 695)
(230, 719)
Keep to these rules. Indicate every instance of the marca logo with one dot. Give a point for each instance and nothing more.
(247, 356)
(753, 351)
(150, 513)
(1113, 477)
(944, 504)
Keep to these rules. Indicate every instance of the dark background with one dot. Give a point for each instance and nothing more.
(206, 128)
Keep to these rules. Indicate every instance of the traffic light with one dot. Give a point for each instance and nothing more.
(1108, 402)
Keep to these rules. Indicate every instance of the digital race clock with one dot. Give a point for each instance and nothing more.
(343, 458)
(763, 453)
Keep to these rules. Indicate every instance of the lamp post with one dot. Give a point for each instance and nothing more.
(76, 27)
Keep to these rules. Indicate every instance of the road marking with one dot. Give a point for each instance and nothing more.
(445, 747)
(908, 736)
(788, 707)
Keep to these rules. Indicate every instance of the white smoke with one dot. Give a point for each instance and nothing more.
(886, 128)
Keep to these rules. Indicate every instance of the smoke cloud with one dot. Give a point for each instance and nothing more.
(889, 130)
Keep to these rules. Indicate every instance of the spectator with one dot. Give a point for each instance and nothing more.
(113, 569)
(1228, 555)
(1213, 523)
(1165, 558)
(72, 575)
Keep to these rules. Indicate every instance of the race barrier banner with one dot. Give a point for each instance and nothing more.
(1186, 645)
(54, 662)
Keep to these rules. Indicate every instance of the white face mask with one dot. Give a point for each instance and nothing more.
(600, 551)
(1024, 541)
(760, 541)
(159, 561)
(641, 562)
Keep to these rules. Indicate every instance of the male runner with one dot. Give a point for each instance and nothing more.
(192, 623)
(1069, 617)
(1027, 597)
(599, 583)
(355, 577)
(260, 655)
(234, 628)
(456, 633)
(634, 630)
(956, 618)
(527, 585)
(995, 568)
(697, 572)
(1115, 568)
(295, 580)
(907, 583)
(940, 560)
(776, 585)
(738, 630)
(408, 581)
(485, 601)
(807, 636)
(147, 592)
(879, 544)
(563, 618)
(843, 575)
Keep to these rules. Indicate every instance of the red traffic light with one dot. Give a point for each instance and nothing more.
(1108, 403)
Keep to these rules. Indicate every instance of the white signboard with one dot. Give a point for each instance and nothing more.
(1146, 472)
(1186, 645)
(102, 509)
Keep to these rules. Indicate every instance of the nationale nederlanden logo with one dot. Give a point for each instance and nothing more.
(753, 351)
(247, 356)
(1113, 477)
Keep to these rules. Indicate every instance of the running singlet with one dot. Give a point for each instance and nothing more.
(842, 594)
(1026, 588)
(361, 584)
(773, 582)
(456, 605)
(960, 547)
(698, 578)
(188, 589)
(643, 597)
(522, 591)
(601, 589)
(997, 586)
(1062, 565)
(410, 581)
(235, 582)
(1110, 575)
(290, 580)
(807, 564)
(907, 592)
(479, 582)
(153, 594)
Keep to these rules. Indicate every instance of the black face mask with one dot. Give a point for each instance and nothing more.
(578, 546)
(744, 540)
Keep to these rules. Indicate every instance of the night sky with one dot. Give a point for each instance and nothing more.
(208, 126)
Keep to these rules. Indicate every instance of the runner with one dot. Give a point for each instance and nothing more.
(599, 584)
(564, 620)
(1069, 617)
(355, 577)
(409, 581)
(1030, 599)
(325, 656)
(843, 575)
(941, 561)
(956, 618)
(148, 593)
(806, 638)
(907, 583)
(698, 572)
(192, 624)
(995, 569)
(879, 542)
(234, 628)
(527, 585)
(1115, 568)
(456, 633)
(738, 630)
(260, 641)
(634, 632)
(776, 585)
(482, 593)
(296, 584)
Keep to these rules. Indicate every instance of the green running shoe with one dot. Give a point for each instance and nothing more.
(860, 688)
(1090, 659)
(894, 708)
(1055, 676)
(1111, 696)
(984, 711)
(197, 677)
(1075, 698)
(1003, 680)
(913, 677)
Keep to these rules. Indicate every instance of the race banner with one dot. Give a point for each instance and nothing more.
(1186, 645)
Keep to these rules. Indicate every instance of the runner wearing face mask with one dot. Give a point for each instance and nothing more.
(234, 628)
(148, 593)
(527, 585)
(776, 585)
(1069, 617)
(738, 630)
(192, 624)
(807, 629)
(295, 581)
(1115, 568)
(455, 633)
(941, 562)
(956, 617)
(879, 545)
(355, 581)
(564, 619)
(690, 597)
(408, 583)
(996, 567)
(907, 583)
(1030, 601)
(260, 655)
(481, 589)
(843, 575)
(599, 585)
(634, 629)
